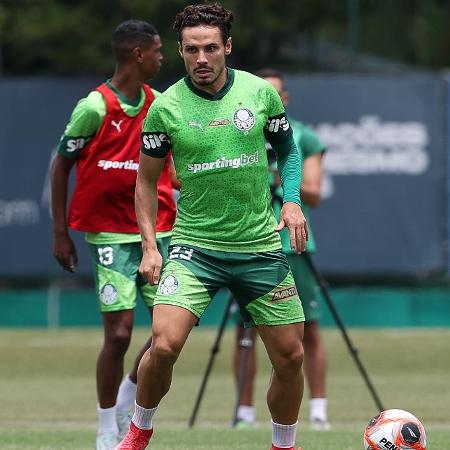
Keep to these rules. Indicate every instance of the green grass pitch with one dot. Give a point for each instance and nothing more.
(48, 402)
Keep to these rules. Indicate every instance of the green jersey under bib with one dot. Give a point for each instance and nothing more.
(218, 146)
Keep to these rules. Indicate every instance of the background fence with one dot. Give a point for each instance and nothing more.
(384, 210)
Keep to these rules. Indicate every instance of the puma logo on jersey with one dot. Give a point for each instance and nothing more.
(117, 124)
(274, 125)
(194, 124)
(155, 140)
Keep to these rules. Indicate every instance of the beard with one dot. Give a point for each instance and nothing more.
(213, 77)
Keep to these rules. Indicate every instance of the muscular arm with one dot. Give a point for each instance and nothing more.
(311, 179)
(63, 247)
(146, 203)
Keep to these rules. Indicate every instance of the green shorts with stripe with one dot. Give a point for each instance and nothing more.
(307, 286)
(117, 278)
(261, 283)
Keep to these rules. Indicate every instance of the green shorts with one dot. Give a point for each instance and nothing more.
(117, 278)
(261, 283)
(307, 286)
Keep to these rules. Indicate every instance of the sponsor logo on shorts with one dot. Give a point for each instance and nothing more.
(283, 294)
(218, 123)
(108, 294)
(169, 285)
(243, 119)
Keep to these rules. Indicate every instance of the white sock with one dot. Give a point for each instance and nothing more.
(107, 420)
(318, 409)
(283, 436)
(142, 417)
(126, 395)
(246, 413)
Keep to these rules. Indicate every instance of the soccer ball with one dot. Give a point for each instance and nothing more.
(395, 429)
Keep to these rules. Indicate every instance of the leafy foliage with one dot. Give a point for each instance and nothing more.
(67, 37)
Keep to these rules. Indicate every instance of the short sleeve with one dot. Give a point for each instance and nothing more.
(154, 138)
(85, 121)
(277, 128)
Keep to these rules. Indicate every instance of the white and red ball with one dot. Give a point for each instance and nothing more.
(395, 429)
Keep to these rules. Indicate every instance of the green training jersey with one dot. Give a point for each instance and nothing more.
(309, 144)
(218, 147)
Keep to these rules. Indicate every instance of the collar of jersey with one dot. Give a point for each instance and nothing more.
(122, 97)
(218, 95)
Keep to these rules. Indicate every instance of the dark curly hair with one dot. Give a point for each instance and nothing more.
(214, 15)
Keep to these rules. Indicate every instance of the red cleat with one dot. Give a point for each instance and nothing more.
(135, 439)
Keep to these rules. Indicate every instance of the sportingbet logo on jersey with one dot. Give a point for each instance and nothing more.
(152, 141)
(122, 165)
(221, 163)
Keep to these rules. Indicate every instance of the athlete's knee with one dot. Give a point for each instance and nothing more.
(118, 339)
(289, 361)
(164, 350)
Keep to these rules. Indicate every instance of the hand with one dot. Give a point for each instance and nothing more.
(150, 267)
(65, 252)
(291, 216)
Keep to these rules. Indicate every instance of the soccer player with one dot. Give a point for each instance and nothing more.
(102, 139)
(216, 121)
(308, 288)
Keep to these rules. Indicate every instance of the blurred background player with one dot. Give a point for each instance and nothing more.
(315, 358)
(102, 139)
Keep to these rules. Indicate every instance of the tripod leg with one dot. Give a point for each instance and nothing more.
(214, 350)
(353, 350)
(246, 343)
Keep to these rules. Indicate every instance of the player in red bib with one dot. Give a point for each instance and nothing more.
(102, 139)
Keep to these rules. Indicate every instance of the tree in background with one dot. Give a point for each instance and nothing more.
(71, 37)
